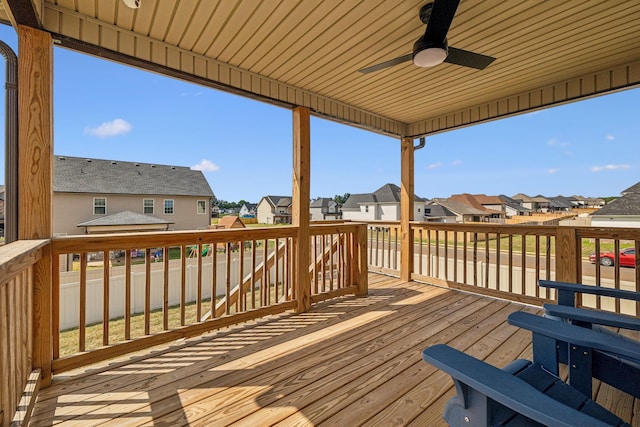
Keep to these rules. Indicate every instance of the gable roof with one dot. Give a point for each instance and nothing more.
(278, 201)
(124, 218)
(97, 176)
(635, 188)
(230, 221)
(388, 193)
(629, 204)
(470, 200)
(321, 202)
(436, 210)
(460, 208)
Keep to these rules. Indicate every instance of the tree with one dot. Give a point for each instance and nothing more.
(341, 199)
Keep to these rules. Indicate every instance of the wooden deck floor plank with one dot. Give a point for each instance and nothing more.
(287, 377)
(506, 342)
(370, 404)
(87, 384)
(155, 383)
(351, 392)
(350, 361)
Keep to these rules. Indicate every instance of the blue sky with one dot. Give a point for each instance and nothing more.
(109, 111)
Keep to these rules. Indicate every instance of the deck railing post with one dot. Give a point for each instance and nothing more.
(406, 209)
(300, 215)
(361, 264)
(35, 176)
(566, 255)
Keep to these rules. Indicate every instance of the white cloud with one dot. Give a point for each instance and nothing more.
(434, 165)
(552, 171)
(552, 142)
(610, 137)
(456, 163)
(206, 166)
(107, 129)
(609, 167)
(190, 93)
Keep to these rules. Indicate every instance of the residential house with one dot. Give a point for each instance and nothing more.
(465, 208)
(490, 206)
(248, 210)
(215, 211)
(324, 208)
(94, 195)
(383, 205)
(435, 212)
(621, 212)
(536, 203)
(274, 210)
(513, 207)
(562, 204)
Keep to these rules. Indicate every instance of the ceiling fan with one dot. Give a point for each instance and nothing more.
(432, 48)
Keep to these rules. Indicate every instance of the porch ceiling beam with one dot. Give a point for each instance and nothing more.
(24, 12)
(609, 80)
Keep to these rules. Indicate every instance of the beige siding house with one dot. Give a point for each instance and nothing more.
(274, 210)
(101, 196)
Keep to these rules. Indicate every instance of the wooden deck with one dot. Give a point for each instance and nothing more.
(348, 362)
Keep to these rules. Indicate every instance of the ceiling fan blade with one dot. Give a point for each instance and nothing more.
(468, 59)
(386, 64)
(442, 15)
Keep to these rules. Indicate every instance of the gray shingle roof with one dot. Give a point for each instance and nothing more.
(629, 204)
(321, 202)
(124, 218)
(635, 188)
(278, 201)
(355, 200)
(388, 193)
(460, 208)
(81, 175)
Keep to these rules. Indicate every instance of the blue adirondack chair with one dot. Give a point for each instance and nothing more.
(522, 394)
(622, 373)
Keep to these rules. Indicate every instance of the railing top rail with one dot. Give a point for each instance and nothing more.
(333, 228)
(542, 230)
(91, 242)
(615, 233)
(17, 256)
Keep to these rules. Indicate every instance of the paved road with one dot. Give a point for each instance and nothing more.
(588, 269)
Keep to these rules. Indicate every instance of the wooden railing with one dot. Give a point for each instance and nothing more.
(508, 260)
(383, 238)
(18, 383)
(114, 294)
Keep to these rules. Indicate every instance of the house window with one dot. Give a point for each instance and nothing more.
(147, 206)
(168, 207)
(99, 206)
(366, 208)
(201, 207)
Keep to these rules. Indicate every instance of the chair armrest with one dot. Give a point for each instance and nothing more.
(578, 335)
(597, 317)
(504, 388)
(567, 291)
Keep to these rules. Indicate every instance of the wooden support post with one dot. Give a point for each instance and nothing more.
(406, 209)
(300, 205)
(35, 177)
(566, 255)
(362, 273)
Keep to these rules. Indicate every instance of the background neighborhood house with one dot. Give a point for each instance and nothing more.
(324, 208)
(274, 210)
(381, 205)
(101, 196)
(248, 210)
(621, 212)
